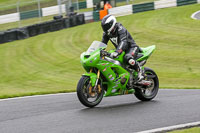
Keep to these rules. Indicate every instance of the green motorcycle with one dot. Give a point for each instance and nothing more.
(111, 77)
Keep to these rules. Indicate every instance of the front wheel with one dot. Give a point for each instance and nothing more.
(88, 95)
(147, 93)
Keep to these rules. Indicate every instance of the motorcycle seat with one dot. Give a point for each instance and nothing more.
(140, 50)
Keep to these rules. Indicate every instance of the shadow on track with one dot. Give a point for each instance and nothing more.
(125, 107)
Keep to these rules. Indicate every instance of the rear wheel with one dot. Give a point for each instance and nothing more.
(147, 93)
(88, 95)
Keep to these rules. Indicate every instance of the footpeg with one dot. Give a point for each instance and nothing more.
(144, 82)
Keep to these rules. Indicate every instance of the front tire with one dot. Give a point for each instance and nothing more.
(84, 95)
(141, 93)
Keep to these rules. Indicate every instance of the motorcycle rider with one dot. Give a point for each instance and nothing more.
(122, 40)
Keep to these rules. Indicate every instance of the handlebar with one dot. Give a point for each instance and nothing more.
(104, 53)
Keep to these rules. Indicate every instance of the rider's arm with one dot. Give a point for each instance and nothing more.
(105, 38)
(123, 44)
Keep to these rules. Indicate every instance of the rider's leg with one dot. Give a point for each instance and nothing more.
(130, 57)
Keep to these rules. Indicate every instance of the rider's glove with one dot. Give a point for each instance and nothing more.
(114, 54)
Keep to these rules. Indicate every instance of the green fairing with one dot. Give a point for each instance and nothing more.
(147, 52)
(93, 77)
(112, 72)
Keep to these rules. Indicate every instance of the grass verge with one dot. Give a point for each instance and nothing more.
(190, 130)
(49, 63)
(32, 5)
(10, 6)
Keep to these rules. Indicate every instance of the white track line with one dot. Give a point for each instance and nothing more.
(194, 15)
(170, 128)
(24, 97)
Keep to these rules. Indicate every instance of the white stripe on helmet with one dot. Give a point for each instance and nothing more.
(108, 20)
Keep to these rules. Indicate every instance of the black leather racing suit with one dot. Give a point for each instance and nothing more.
(123, 41)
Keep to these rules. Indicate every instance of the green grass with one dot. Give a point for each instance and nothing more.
(143, 1)
(133, 2)
(190, 130)
(47, 18)
(50, 63)
(10, 6)
(9, 2)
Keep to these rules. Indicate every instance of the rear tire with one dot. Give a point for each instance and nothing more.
(153, 89)
(83, 95)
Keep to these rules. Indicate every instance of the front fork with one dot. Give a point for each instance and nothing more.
(96, 86)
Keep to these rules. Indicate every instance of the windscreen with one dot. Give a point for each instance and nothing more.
(94, 46)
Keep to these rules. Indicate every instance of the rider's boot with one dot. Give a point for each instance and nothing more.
(135, 65)
(140, 74)
(140, 78)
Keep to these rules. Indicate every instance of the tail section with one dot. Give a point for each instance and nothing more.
(146, 52)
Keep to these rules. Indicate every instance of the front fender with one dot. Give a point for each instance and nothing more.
(93, 77)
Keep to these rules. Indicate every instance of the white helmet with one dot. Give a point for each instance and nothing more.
(108, 24)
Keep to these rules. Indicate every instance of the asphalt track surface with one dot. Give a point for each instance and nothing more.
(63, 113)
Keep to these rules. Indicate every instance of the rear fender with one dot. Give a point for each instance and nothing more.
(93, 77)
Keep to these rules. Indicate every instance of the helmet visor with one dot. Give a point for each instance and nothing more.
(106, 26)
